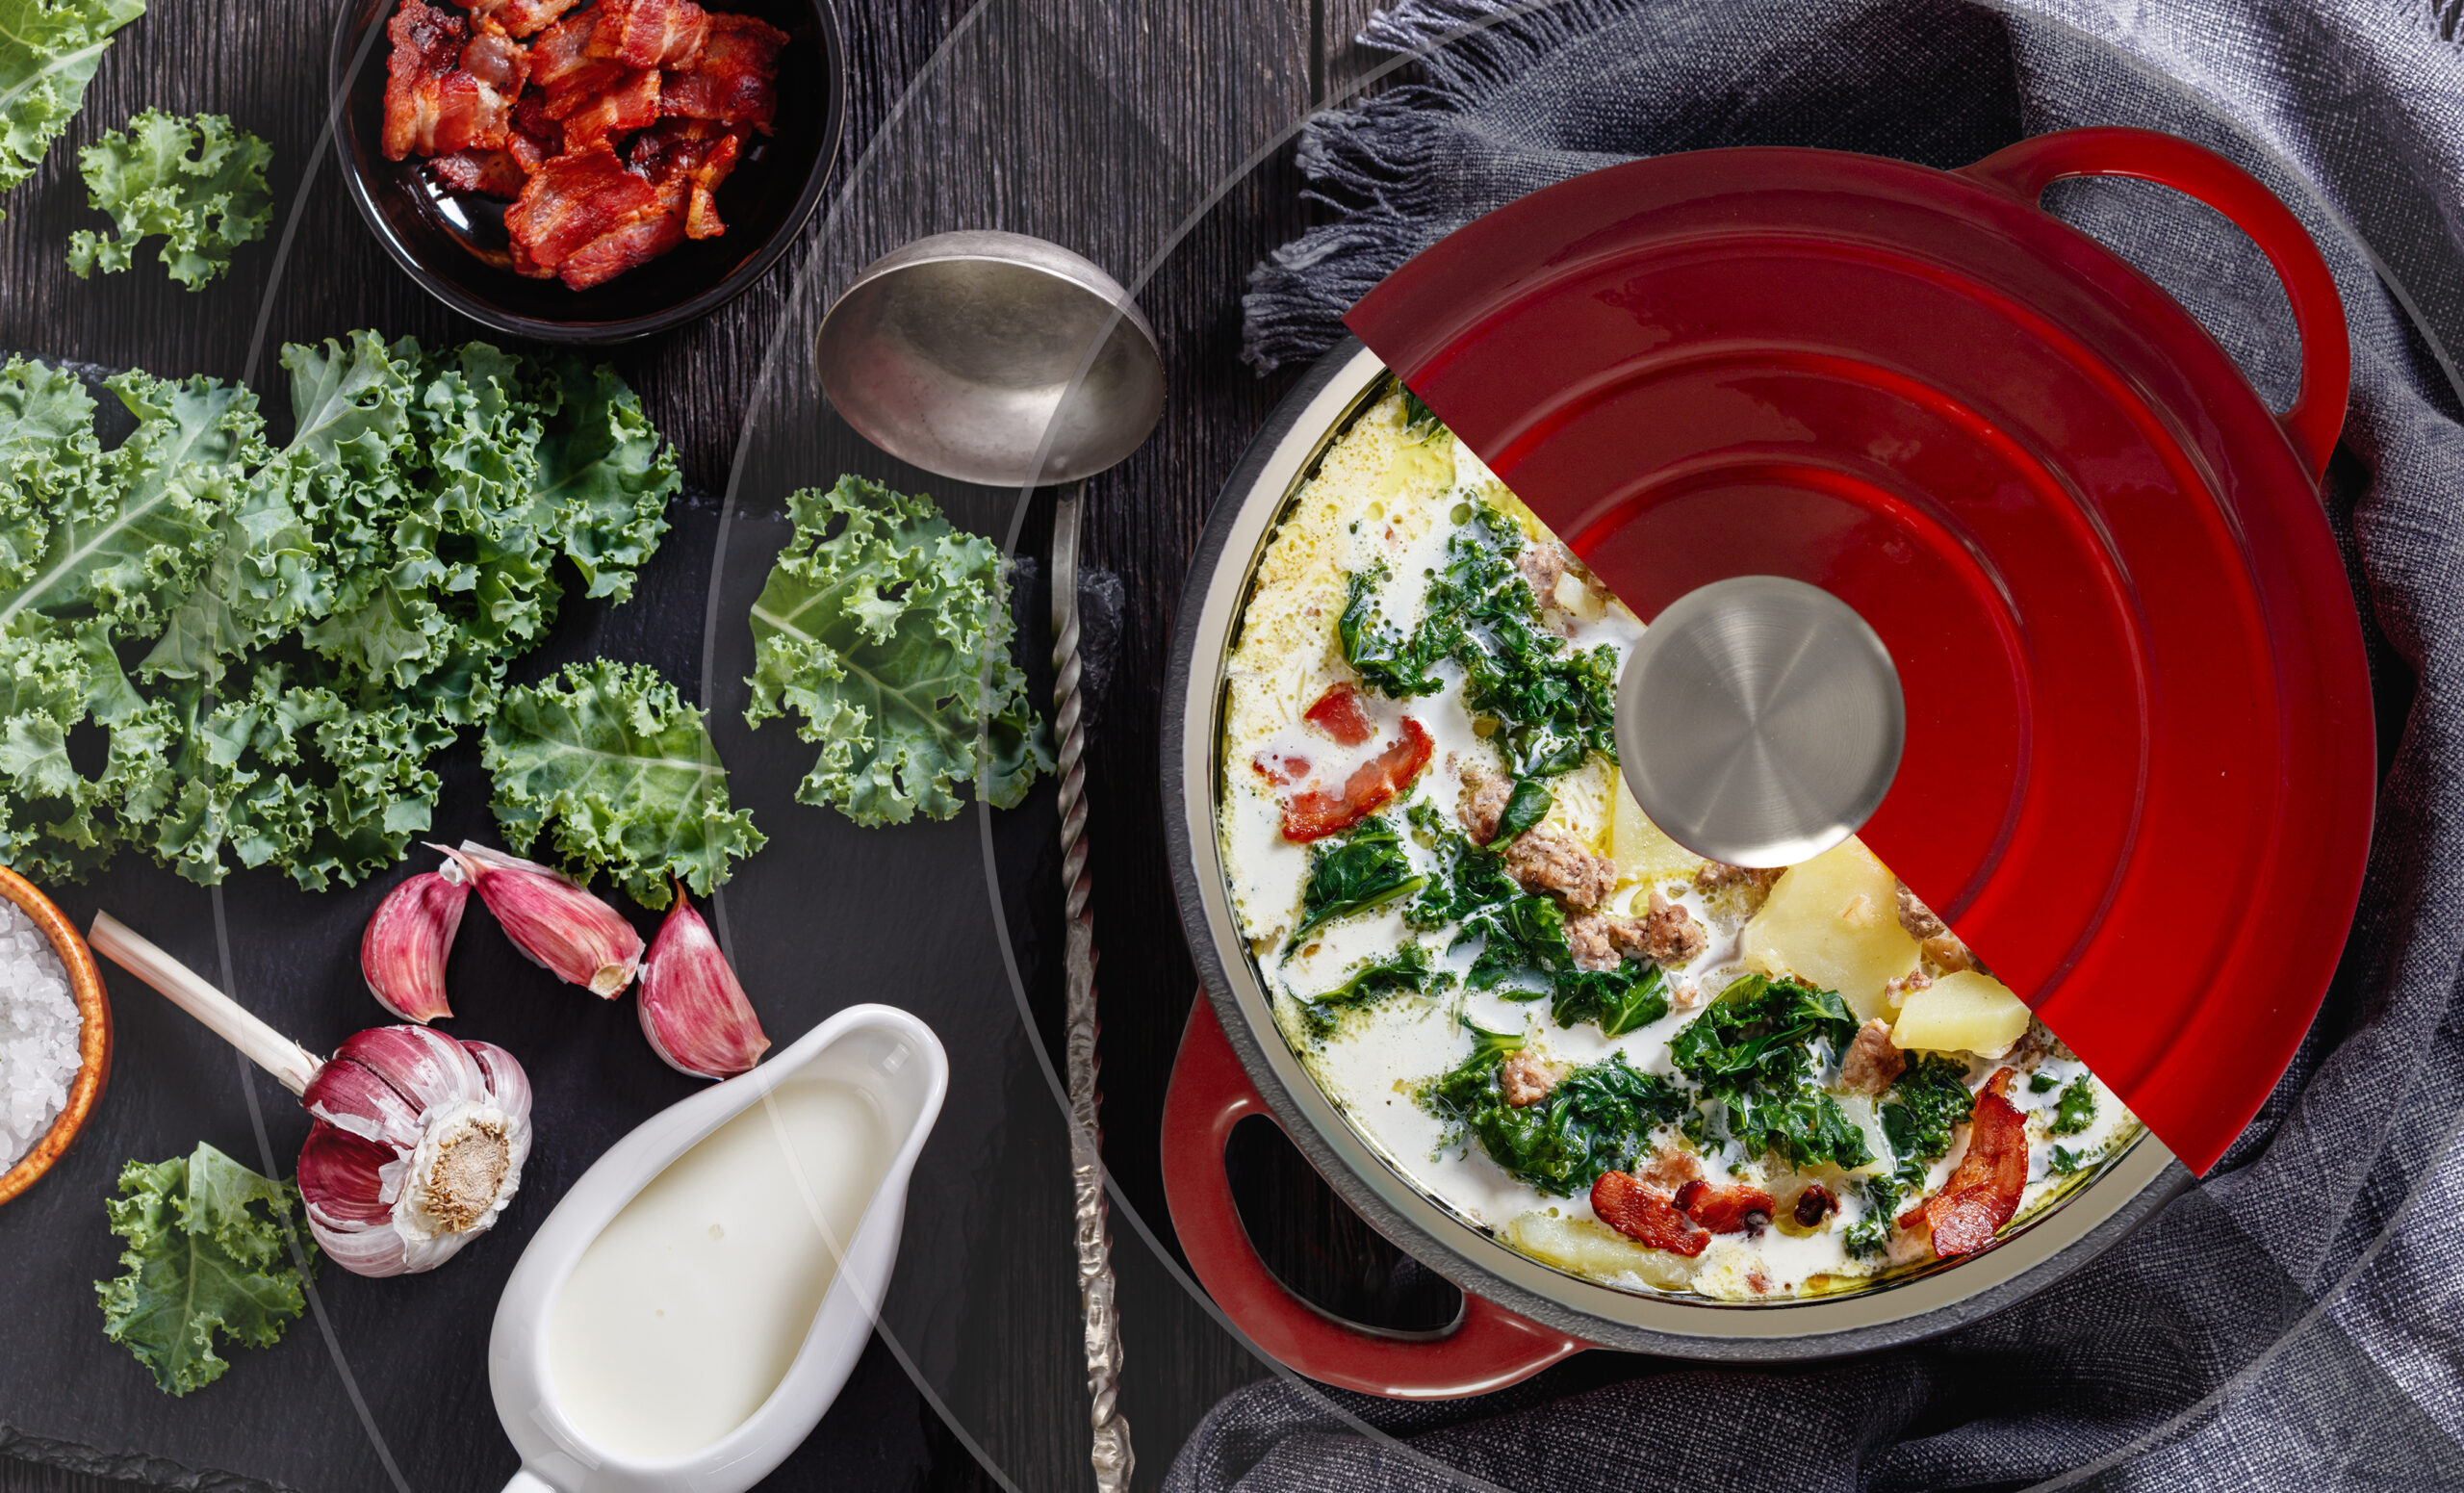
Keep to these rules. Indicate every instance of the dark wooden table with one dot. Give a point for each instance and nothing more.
(262, 64)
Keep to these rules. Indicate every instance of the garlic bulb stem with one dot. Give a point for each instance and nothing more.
(286, 1060)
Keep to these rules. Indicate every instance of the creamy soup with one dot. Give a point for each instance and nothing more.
(1638, 1066)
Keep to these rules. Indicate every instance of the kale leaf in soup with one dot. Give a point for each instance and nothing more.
(1759, 1052)
(1625, 999)
(1759, 1033)
(1469, 876)
(1387, 659)
(1926, 1103)
(2076, 1109)
(1598, 1118)
(1524, 938)
(1555, 703)
(1406, 970)
(1363, 870)
(1525, 805)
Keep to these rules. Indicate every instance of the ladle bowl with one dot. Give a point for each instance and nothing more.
(992, 357)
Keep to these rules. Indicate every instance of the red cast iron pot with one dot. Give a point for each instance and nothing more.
(2139, 741)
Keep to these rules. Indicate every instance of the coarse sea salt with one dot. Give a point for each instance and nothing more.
(37, 1035)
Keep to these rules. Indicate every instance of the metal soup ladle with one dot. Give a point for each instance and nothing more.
(1001, 359)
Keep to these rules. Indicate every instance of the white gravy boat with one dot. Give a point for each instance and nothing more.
(891, 1058)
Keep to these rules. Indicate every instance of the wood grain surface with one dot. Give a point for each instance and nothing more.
(262, 64)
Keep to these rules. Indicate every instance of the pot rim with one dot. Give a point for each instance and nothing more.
(1282, 455)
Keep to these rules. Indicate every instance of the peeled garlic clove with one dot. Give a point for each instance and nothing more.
(557, 925)
(693, 1011)
(403, 953)
(417, 1147)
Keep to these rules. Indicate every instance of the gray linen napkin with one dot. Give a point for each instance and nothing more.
(2296, 1321)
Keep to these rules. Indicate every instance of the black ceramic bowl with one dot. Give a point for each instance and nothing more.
(455, 244)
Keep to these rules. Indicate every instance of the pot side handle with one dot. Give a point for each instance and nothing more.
(1489, 1349)
(2318, 414)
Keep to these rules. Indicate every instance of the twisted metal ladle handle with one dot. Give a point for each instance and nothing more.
(1112, 1454)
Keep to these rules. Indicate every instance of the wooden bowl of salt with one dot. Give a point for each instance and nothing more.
(93, 1032)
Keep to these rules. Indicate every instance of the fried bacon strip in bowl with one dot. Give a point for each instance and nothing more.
(447, 90)
(609, 130)
(588, 217)
(736, 80)
(650, 33)
(493, 173)
(628, 102)
(518, 18)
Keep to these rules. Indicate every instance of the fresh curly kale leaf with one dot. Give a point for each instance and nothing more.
(1364, 871)
(326, 782)
(121, 547)
(47, 454)
(99, 554)
(888, 631)
(1406, 970)
(210, 1252)
(1599, 1117)
(48, 51)
(276, 642)
(604, 479)
(281, 551)
(621, 774)
(199, 184)
(376, 579)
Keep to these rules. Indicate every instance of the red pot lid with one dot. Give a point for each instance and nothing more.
(2139, 761)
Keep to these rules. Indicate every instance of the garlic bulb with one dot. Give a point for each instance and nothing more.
(419, 1145)
(557, 925)
(403, 953)
(692, 1009)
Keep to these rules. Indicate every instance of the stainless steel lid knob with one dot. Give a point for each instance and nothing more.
(1760, 721)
